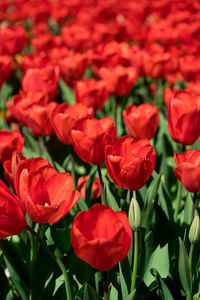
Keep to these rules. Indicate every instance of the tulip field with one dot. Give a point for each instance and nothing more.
(99, 149)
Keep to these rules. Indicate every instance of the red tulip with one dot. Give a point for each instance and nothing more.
(6, 68)
(141, 121)
(10, 167)
(101, 237)
(12, 220)
(120, 80)
(65, 116)
(130, 163)
(12, 39)
(73, 67)
(38, 118)
(188, 169)
(92, 93)
(41, 82)
(95, 190)
(184, 118)
(10, 141)
(90, 137)
(46, 195)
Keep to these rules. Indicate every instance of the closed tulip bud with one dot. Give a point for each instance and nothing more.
(194, 233)
(134, 214)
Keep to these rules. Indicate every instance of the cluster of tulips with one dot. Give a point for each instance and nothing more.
(109, 88)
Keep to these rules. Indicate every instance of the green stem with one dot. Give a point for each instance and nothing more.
(178, 201)
(58, 261)
(66, 278)
(135, 263)
(189, 296)
(103, 197)
(35, 248)
(193, 206)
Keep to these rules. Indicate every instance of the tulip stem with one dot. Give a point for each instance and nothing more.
(189, 296)
(103, 197)
(135, 263)
(178, 201)
(35, 247)
(193, 206)
(105, 280)
(73, 164)
(56, 260)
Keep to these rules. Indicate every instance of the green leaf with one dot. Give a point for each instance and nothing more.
(150, 198)
(43, 268)
(82, 205)
(90, 293)
(131, 296)
(89, 184)
(159, 260)
(62, 238)
(110, 198)
(188, 209)
(18, 282)
(113, 292)
(184, 268)
(15, 261)
(4, 284)
(165, 293)
(125, 277)
(66, 92)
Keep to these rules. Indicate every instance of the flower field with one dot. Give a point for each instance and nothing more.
(99, 149)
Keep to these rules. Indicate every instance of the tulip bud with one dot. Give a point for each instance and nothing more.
(194, 233)
(134, 214)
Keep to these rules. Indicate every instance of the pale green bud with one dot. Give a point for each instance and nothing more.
(134, 215)
(194, 233)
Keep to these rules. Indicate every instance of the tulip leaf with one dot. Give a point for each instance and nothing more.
(4, 284)
(165, 201)
(15, 261)
(125, 277)
(67, 93)
(150, 198)
(89, 185)
(90, 293)
(20, 285)
(159, 260)
(188, 210)
(165, 293)
(110, 198)
(43, 266)
(131, 296)
(184, 268)
(82, 205)
(113, 293)
(62, 238)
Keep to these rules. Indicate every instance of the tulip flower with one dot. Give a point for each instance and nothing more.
(188, 169)
(120, 80)
(13, 39)
(10, 141)
(46, 195)
(141, 121)
(130, 163)
(10, 167)
(12, 220)
(90, 137)
(184, 118)
(64, 118)
(91, 93)
(101, 237)
(95, 190)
